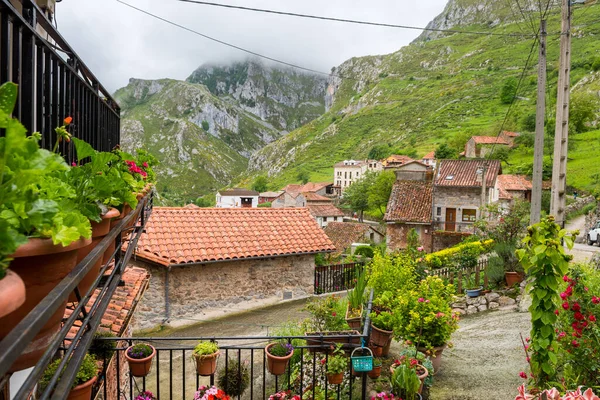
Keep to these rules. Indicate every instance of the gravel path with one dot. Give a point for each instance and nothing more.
(486, 358)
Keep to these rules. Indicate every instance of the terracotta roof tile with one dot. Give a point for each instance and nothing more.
(179, 235)
(343, 234)
(397, 159)
(514, 182)
(410, 201)
(463, 173)
(309, 196)
(488, 140)
(429, 156)
(238, 192)
(324, 210)
(510, 134)
(315, 186)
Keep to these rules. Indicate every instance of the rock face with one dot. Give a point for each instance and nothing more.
(283, 97)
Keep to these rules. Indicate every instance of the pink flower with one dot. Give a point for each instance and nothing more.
(595, 299)
(566, 278)
(579, 316)
(574, 343)
(576, 307)
(523, 375)
(563, 296)
(565, 305)
(427, 301)
(556, 312)
(420, 300)
(73, 164)
(145, 164)
(439, 315)
(592, 318)
(420, 248)
(333, 314)
(562, 334)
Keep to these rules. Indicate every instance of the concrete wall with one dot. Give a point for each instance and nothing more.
(206, 291)
(397, 234)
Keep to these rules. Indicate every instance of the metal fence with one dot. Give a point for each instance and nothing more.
(53, 82)
(335, 278)
(455, 276)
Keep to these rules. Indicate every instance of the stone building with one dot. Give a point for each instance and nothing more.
(344, 234)
(206, 262)
(481, 146)
(322, 209)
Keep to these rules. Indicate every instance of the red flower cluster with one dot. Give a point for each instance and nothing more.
(134, 169)
(580, 321)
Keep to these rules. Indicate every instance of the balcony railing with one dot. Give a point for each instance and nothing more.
(449, 226)
(53, 82)
(335, 278)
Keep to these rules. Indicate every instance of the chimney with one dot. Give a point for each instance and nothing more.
(479, 175)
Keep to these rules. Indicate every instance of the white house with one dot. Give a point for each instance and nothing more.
(237, 198)
(348, 171)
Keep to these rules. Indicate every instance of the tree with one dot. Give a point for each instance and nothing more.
(499, 153)
(356, 196)
(379, 152)
(303, 176)
(380, 190)
(444, 152)
(260, 184)
(508, 92)
(205, 201)
(582, 110)
(528, 122)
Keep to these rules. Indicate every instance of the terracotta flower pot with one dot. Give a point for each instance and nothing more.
(380, 337)
(513, 278)
(422, 377)
(140, 366)
(335, 379)
(206, 365)
(354, 322)
(42, 265)
(375, 372)
(277, 365)
(436, 357)
(377, 350)
(12, 293)
(83, 391)
(99, 230)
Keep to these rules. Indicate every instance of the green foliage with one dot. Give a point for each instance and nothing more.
(140, 350)
(379, 152)
(596, 64)
(281, 349)
(337, 362)
(234, 379)
(543, 258)
(356, 296)
(424, 360)
(528, 123)
(412, 239)
(303, 176)
(382, 315)
(457, 255)
(356, 196)
(582, 110)
(86, 371)
(499, 153)
(509, 91)
(379, 192)
(205, 201)
(266, 204)
(103, 348)
(444, 152)
(320, 259)
(205, 347)
(391, 273)
(326, 314)
(405, 382)
(205, 126)
(365, 251)
(525, 140)
(260, 184)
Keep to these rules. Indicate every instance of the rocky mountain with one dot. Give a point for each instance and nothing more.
(442, 88)
(282, 96)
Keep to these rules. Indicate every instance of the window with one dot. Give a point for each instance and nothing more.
(339, 183)
(324, 219)
(469, 215)
(438, 212)
(449, 177)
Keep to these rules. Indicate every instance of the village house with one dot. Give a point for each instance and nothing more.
(206, 262)
(323, 209)
(429, 159)
(510, 187)
(458, 193)
(409, 207)
(293, 195)
(481, 146)
(237, 198)
(509, 137)
(414, 171)
(348, 171)
(394, 161)
(268, 197)
(345, 234)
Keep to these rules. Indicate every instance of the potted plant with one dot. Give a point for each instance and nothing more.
(12, 290)
(405, 382)
(356, 299)
(206, 353)
(40, 232)
(210, 393)
(235, 378)
(278, 356)
(471, 286)
(382, 322)
(327, 325)
(413, 363)
(423, 363)
(336, 365)
(85, 379)
(376, 371)
(383, 396)
(139, 357)
(146, 395)
(284, 395)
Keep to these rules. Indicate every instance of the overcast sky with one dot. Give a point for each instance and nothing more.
(118, 43)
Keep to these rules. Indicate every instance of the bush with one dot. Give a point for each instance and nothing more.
(365, 251)
(508, 92)
(528, 123)
(391, 273)
(205, 125)
(326, 314)
(525, 140)
(596, 64)
(103, 348)
(467, 252)
(266, 204)
(87, 371)
(234, 379)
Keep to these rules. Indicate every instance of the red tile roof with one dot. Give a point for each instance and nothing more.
(343, 234)
(410, 201)
(196, 236)
(488, 140)
(315, 186)
(122, 304)
(314, 197)
(463, 173)
(238, 192)
(510, 134)
(514, 182)
(324, 210)
(429, 156)
(397, 159)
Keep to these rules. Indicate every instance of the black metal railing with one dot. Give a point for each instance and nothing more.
(173, 372)
(53, 82)
(337, 277)
(459, 227)
(86, 315)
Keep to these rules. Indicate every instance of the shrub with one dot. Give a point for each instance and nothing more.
(508, 92)
(463, 252)
(101, 349)
(326, 314)
(205, 125)
(234, 379)
(391, 273)
(382, 315)
(266, 204)
(86, 371)
(366, 251)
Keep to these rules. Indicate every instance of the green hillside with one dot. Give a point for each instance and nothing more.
(437, 91)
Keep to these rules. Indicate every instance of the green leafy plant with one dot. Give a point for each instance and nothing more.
(86, 371)
(382, 316)
(405, 382)
(103, 349)
(281, 349)
(326, 314)
(140, 350)
(234, 379)
(388, 272)
(205, 348)
(356, 296)
(425, 361)
(365, 251)
(337, 363)
(543, 258)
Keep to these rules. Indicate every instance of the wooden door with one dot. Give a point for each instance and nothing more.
(450, 219)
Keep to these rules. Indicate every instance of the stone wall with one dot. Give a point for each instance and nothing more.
(200, 292)
(490, 301)
(397, 234)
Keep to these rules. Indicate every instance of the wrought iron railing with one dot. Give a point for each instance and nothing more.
(86, 315)
(53, 82)
(336, 277)
(173, 373)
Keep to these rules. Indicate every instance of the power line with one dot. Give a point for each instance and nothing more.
(351, 21)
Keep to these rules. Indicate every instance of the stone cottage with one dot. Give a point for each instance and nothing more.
(206, 262)
(481, 146)
(344, 234)
(323, 209)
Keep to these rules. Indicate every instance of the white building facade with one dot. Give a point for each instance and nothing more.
(237, 198)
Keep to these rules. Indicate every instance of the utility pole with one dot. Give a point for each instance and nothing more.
(561, 134)
(540, 115)
(483, 188)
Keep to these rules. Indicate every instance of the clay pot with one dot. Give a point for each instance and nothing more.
(375, 372)
(42, 265)
(356, 322)
(377, 350)
(436, 357)
(335, 379)
(422, 377)
(99, 230)
(277, 365)
(12, 293)
(381, 338)
(140, 366)
(206, 365)
(513, 278)
(83, 391)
